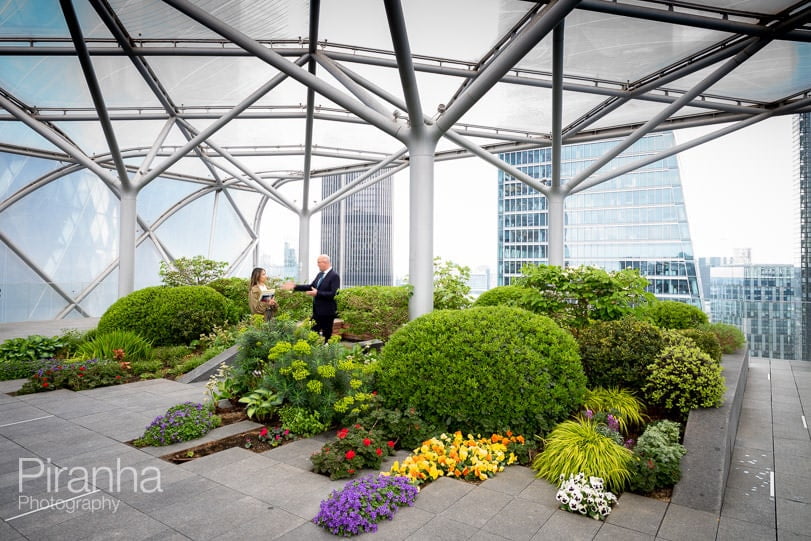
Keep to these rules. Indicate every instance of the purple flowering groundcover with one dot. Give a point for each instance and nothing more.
(362, 503)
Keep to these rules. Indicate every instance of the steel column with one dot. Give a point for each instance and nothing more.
(557, 194)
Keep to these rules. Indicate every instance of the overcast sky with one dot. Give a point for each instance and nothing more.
(738, 193)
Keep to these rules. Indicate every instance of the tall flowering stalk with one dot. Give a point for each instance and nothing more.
(362, 503)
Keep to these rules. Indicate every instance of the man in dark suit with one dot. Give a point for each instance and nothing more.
(322, 290)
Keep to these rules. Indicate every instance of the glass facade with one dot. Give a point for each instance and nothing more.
(802, 220)
(637, 220)
(356, 232)
(762, 301)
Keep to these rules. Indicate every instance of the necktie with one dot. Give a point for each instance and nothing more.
(318, 279)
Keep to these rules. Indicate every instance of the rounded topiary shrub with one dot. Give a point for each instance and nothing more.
(706, 341)
(235, 290)
(483, 370)
(730, 337)
(373, 311)
(683, 378)
(505, 296)
(617, 353)
(675, 315)
(167, 315)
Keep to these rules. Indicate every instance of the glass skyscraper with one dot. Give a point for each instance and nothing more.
(802, 220)
(356, 232)
(637, 220)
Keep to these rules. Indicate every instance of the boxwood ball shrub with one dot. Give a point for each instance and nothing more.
(505, 296)
(483, 370)
(675, 315)
(167, 315)
(706, 341)
(234, 289)
(617, 353)
(683, 378)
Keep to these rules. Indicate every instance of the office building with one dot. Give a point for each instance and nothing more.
(356, 232)
(637, 220)
(761, 300)
(802, 220)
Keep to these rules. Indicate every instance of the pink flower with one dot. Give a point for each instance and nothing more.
(263, 432)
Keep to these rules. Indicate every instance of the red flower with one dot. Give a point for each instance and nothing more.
(118, 377)
(350, 471)
(379, 451)
(350, 454)
(374, 393)
(44, 383)
(263, 432)
(367, 442)
(358, 426)
(80, 375)
(390, 444)
(82, 369)
(342, 433)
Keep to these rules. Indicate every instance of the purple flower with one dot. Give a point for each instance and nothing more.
(362, 503)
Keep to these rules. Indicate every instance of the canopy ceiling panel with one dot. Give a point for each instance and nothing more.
(45, 81)
(259, 19)
(616, 48)
(779, 70)
(216, 81)
(19, 135)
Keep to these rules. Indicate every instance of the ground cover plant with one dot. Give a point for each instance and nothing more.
(182, 422)
(483, 370)
(21, 357)
(657, 455)
(353, 449)
(362, 503)
(76, 376)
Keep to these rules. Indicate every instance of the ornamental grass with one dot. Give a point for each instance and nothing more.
(471, 459)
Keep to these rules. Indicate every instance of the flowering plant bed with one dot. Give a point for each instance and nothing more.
(257, 440)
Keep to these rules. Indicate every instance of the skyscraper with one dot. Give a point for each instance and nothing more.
(356, 232)
(802, 220)
(637, 220)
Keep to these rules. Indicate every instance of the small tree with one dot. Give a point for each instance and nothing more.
(451, 291)
(575, 296)
(192, 271)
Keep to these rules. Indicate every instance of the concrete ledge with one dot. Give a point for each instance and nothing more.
(710, 440)
(205, 370)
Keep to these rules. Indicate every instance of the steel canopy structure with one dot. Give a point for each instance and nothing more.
(246, 103)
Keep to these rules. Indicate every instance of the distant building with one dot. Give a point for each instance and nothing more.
(637, 220)
(479, 281)
(802, 220)
(356, 232)
(761, 300)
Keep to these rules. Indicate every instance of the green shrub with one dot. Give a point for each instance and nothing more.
(253, 348)
(729, 336)
(300, 421)
(374, 311)
(236, 291)
(704, 340)
(21, 357)
(139, 368)
(76, 376)
(170, 356)
(622, 404)
(483, 370)
(576, 296)
(510, 295)
(617, 353)
(182, 422)
(191, 271)
(577, 446)
(683, 378)
(323, 378)
(675, 315)
(353, 449)
(451, 291)
(406, 427)
(657, 455)
(119, 345)
(167, 315)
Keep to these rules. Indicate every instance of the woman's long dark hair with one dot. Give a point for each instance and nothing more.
(255, 274)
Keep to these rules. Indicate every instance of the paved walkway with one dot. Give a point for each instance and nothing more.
(238, 494)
